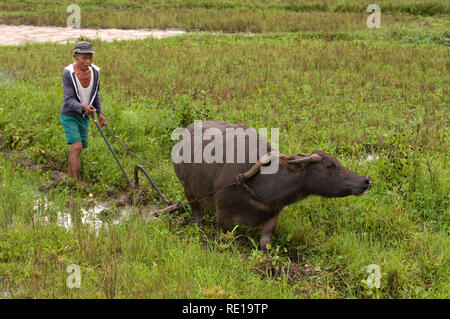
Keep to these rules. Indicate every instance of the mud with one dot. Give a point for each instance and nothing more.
(54, 167)
(283, 269)
(138, 201)
(96, 215)
(5, 294)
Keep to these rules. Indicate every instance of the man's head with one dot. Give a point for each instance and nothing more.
(83, 54)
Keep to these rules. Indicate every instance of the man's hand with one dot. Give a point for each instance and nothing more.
(102, 120)
(89, 109)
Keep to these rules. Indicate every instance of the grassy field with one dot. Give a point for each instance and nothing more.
(354, 93)
(227, 16)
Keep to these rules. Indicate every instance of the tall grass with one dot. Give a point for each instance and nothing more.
(228, 16)
(136, 259)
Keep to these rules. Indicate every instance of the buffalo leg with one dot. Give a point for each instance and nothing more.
(267, 229)
(197, 212)
(196, 208)
(224, 222)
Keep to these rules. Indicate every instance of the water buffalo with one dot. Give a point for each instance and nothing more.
(262, 197)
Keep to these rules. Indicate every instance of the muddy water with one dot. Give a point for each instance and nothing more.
(19, 34)
(5, 294)
(91, 216)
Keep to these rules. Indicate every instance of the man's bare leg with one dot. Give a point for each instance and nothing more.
(73, 169)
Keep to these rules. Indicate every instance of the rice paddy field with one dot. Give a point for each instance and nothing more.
(376, 99)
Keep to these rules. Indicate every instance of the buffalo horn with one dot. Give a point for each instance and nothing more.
(307, 159)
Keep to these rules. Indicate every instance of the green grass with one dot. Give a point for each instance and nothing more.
(134, 260)
(228, 16)
(420, 7)
(393, 96)
(350, 91)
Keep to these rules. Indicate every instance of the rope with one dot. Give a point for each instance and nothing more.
(240, 181)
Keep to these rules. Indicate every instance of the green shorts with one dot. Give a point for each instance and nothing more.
(76, 128)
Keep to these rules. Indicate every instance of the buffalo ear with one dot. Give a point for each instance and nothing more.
(313, 158)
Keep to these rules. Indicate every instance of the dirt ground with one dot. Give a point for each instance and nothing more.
(19, 34)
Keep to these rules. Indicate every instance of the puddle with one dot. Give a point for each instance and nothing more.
(5, 294)
(6, 79)
(63, 220)
(93, 216)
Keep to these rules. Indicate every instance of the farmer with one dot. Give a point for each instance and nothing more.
(81, 100)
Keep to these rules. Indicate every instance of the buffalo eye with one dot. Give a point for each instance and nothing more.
(330, 166)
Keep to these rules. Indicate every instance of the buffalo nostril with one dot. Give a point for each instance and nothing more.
(368, 183)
